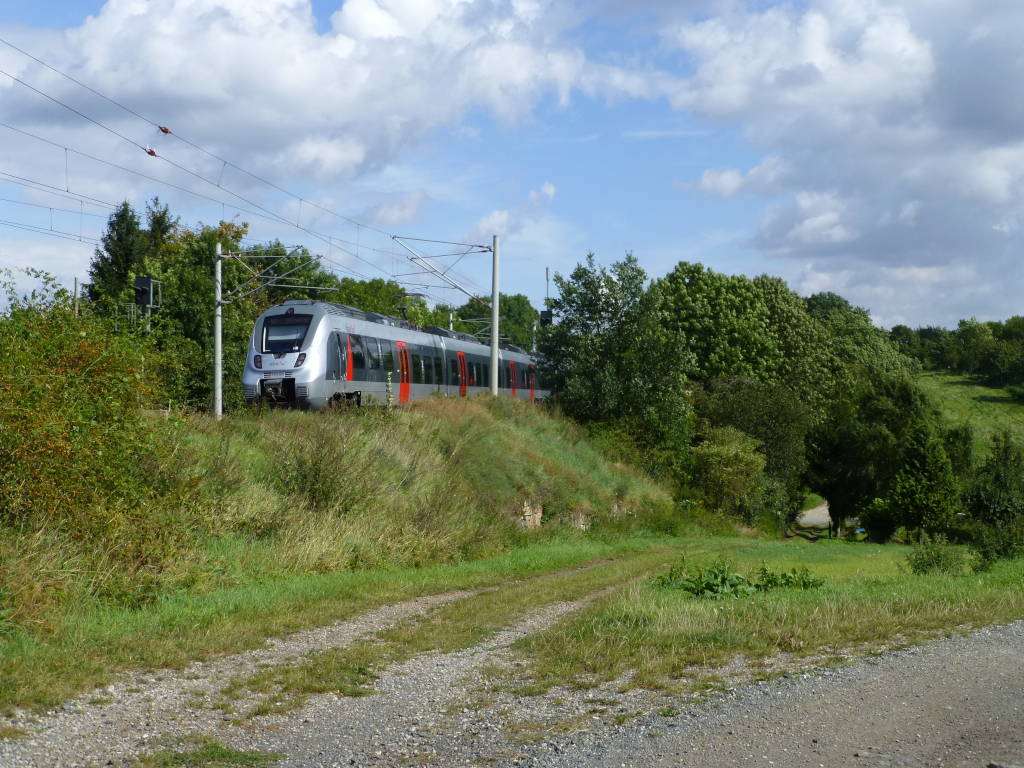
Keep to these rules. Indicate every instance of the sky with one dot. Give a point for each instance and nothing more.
(874, 148)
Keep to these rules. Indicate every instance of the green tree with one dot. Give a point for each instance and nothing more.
(775, 416)
(122, 250)
(924, 494)
(518, 317)
(996, 494)
(854, 339)
(602, 357)
(855, 452)
(732, 326)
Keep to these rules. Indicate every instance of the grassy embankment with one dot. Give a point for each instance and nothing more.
(288, 520)
(989, 410)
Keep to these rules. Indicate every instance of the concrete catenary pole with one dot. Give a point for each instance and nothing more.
(495, 331)
(218, 363)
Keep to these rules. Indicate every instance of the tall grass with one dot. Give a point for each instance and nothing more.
(443, 481)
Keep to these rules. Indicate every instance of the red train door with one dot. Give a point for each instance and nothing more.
(403, 372)
(512, 376)
(532, 374)
(463, 378)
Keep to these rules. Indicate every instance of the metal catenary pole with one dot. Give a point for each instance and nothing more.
(218, 363)
(495, 331)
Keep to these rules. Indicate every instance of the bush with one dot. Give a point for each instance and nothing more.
(81, 463)
(879, 521)
(997, 542)
(721, 580)
(729, 472)
(934, 554)
(799, 578)
(716, 581)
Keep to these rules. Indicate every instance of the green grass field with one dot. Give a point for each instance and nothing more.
(666, 638)
(988, 409)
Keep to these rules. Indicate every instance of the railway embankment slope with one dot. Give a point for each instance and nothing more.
(131, 540)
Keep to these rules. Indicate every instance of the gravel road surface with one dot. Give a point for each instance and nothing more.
(958, 701)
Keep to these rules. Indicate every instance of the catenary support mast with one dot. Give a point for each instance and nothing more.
(495, 331)
(218, 337)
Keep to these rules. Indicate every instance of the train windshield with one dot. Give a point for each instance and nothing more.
(284, 333)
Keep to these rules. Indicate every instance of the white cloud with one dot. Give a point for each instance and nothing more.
(729, 182)
(722, 183)
(510, 222)
(399, 210)
(896, 137)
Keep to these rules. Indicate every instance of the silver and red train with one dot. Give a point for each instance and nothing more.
(314, 354)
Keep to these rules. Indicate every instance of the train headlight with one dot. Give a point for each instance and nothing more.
(257, 360)
(300, 359)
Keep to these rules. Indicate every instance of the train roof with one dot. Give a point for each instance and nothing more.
(395, 322)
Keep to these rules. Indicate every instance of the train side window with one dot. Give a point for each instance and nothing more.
(358, 355)
(453, 371)
(438, 370)
(372, 352)
(387, 358)
(428, 370)
(417, 369)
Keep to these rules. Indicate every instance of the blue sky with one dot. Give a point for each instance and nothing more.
(869, 148)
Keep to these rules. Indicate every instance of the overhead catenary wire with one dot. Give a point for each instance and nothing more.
(52, 208)
(268, 216)
(167, 131)
(271, 215)
(50, 189)
(52, 232)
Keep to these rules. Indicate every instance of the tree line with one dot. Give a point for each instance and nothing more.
(745, 394)
(993, 351)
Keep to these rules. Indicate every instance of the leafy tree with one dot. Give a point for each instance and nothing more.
(378, 295)
(602, 356)
(775, 416)
(719, 320)
(592, 351)
(959, 444)
(974, 341)
(732, 326)
(518, 317)
(856, 451)
(853, 338)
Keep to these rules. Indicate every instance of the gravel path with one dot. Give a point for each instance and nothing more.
(817, 516)
(958, 701)
(143, 710)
